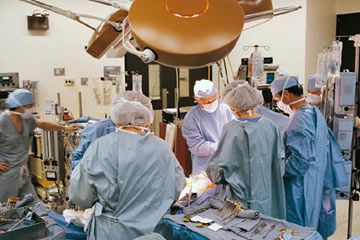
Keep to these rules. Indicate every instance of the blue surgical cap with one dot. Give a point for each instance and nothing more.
(279, 84)
(18, 98)
(312, 82)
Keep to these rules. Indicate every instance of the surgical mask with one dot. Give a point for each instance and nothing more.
(284, 107)
(211, 107)
(313, 98)
(28, 113)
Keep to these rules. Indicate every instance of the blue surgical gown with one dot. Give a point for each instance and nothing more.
(89, 135)
(311, 172)
(14, 147)
(202, 132)
(250, 160)
(335, 177)
(131, 180)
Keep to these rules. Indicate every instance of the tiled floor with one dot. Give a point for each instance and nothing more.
(342, 220)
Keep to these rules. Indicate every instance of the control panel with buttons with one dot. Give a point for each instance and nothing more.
(9, 81)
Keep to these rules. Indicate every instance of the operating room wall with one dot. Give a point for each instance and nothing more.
(348, 6)
(285, 35)
(321, 26)
(320, 30)
(35, 54)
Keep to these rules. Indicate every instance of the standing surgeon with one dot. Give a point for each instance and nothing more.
(203, 124)
(130, 176)
(249, 159)
(312, 169)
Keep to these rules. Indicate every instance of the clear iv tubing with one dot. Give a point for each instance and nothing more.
(231, 67)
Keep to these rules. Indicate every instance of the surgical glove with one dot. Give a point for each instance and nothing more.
(4, 166)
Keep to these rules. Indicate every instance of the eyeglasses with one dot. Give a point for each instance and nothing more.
(206, 100)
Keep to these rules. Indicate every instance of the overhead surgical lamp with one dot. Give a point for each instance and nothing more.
(178, 33)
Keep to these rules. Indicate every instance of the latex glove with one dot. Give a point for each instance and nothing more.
(4, 166)
(71, 128)
(357, 122)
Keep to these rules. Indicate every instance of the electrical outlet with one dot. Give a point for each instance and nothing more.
(59, 71)
(69, 82)
(84, 81)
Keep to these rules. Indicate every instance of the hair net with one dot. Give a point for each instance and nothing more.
(18, 98)
(279, 84)
(132, 108)
(311, 84)
(204, 89)
(134, 96)
(240, 95)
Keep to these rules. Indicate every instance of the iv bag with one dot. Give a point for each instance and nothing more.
(137, 83)
(257, 66)
(335, 58)
(322, 69)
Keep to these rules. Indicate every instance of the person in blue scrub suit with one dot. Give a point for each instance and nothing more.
(16, 126)
(203, 124)
(312, 169)
(249, 159)
(90, 134)
(130, 176)
(101, 128)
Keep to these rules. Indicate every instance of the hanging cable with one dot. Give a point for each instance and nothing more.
(219, 82)
(177, 97)
(220, 77)
(226, 73)
(231, 67)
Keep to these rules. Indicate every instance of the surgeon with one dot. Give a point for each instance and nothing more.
(99, 129)
(130, 176)
(310, 171)
(249, 158)
(336, 164)
(90, 134)
(16, 126)
(279, 119)
(203, 124)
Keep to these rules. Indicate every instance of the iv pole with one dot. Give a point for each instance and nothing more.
(353, 188)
